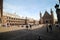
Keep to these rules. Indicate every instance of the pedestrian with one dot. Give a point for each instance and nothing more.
(22, 26)
(50, 28)
(30, 26)
(47, 27)
(57, 26)
(27, 26)
(39, 38)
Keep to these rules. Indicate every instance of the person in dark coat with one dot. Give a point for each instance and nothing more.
(30, 26)
(39, 38)
(50, 27)
(27, 26)
(47, 27)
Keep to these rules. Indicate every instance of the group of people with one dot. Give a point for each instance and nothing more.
(49, 29)
(28, 26)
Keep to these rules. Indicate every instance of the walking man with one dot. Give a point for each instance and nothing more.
(50, 28)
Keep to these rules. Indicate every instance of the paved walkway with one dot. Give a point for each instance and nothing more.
(14, 28)
(28, 34)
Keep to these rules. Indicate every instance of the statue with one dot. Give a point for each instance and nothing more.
(58, 11)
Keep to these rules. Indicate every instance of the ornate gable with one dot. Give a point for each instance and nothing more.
(46, 15)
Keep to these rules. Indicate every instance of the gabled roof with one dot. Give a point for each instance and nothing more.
(46, 15)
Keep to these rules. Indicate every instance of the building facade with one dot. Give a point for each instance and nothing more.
(9, 19)
(1, 10)
(47, 18)
(12, 20)
(31, 21)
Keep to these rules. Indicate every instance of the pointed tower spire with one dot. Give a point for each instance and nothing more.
(51, 12)
(40, 15)
(52, 17)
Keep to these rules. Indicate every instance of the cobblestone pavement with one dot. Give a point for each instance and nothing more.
(27, 34)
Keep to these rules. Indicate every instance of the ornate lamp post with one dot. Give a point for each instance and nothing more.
(58, 12)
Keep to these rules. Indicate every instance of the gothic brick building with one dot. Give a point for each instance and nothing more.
(47, 18)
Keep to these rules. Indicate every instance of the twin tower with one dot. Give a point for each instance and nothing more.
(47, 18)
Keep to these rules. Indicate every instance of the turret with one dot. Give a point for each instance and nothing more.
(52, 16)
(40, 15)
(51, 12)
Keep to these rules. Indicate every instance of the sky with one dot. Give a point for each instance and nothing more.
(29, 8)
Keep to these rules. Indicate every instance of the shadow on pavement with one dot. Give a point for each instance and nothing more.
(28, 34)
